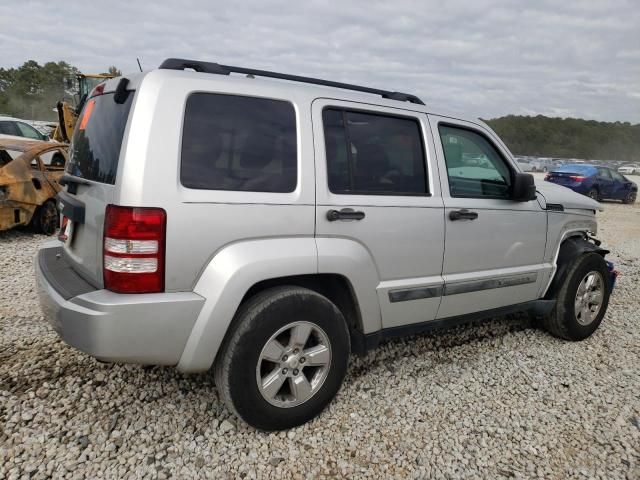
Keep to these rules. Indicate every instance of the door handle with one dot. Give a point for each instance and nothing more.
(463, 214)
(344, 214)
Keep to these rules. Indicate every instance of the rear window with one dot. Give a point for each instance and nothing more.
(373, 154)
(97, 138)
(238, 143)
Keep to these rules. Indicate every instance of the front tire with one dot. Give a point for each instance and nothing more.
(630, 198)
(582, 301)
(284, 358)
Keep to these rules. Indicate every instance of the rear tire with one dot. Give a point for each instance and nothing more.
(580, 306)
(45, 218)
(593, 194)
(273, 374)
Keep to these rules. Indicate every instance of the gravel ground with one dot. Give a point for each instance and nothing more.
(497, 400)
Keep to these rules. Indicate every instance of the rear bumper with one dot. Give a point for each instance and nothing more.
(145, 328)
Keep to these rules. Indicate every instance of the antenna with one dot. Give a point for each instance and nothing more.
(139, 66)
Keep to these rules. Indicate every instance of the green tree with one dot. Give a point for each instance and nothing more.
(113, 71)
(31, 91)
(569, 137)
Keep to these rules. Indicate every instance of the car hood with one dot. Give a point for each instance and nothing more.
(566, 197)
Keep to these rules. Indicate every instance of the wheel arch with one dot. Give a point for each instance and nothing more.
(572, 247)
(242, 269)
(336, 287)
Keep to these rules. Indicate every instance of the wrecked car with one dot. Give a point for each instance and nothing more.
(29, 175)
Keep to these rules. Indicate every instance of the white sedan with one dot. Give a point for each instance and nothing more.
(630, 169)
(16, 129)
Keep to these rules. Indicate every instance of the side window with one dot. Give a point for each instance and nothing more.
(474, 166)
(373, 154)
(616, 176)
(604, 173)
(28, 131)
(238, 143)
(9, 128)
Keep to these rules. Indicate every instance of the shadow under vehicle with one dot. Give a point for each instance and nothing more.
(29, 183)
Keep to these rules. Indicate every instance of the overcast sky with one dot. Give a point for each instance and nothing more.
(486, 58)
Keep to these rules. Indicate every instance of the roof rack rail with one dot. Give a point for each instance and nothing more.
(215, 68)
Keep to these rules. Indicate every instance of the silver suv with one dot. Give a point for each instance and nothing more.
(265, 226)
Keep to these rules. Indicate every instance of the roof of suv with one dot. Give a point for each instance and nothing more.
(291, 83)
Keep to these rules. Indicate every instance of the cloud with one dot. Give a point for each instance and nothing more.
(485, 58)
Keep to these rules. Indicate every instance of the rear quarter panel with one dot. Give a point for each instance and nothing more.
(201, 223)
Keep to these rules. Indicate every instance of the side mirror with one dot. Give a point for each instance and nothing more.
(524, 187)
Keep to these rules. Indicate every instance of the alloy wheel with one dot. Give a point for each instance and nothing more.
(293, 364)
(589, 298)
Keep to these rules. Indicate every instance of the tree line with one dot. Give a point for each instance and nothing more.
(542, 136)
(32, 91)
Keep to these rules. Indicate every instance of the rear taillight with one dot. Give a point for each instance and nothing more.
(577, 178)
(134, 239)
(547, 176)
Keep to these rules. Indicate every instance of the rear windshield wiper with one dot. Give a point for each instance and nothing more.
(72, 182)
(67, 179)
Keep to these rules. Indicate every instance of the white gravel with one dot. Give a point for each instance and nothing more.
(500, 400)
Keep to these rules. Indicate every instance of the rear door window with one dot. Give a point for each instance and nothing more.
(373, 154)
(232, 142)
(97, 138)
(9, 128)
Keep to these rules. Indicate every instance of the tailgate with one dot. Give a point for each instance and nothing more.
(91, 181)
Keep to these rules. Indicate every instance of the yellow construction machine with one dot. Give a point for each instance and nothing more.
(68, 111)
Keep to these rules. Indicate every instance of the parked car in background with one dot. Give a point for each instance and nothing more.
(27, 186)
(524, 164)
(599, 183)
(14, 127)
(630, 169)
(541, 165)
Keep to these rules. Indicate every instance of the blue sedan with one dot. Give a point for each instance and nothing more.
(596, 182)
